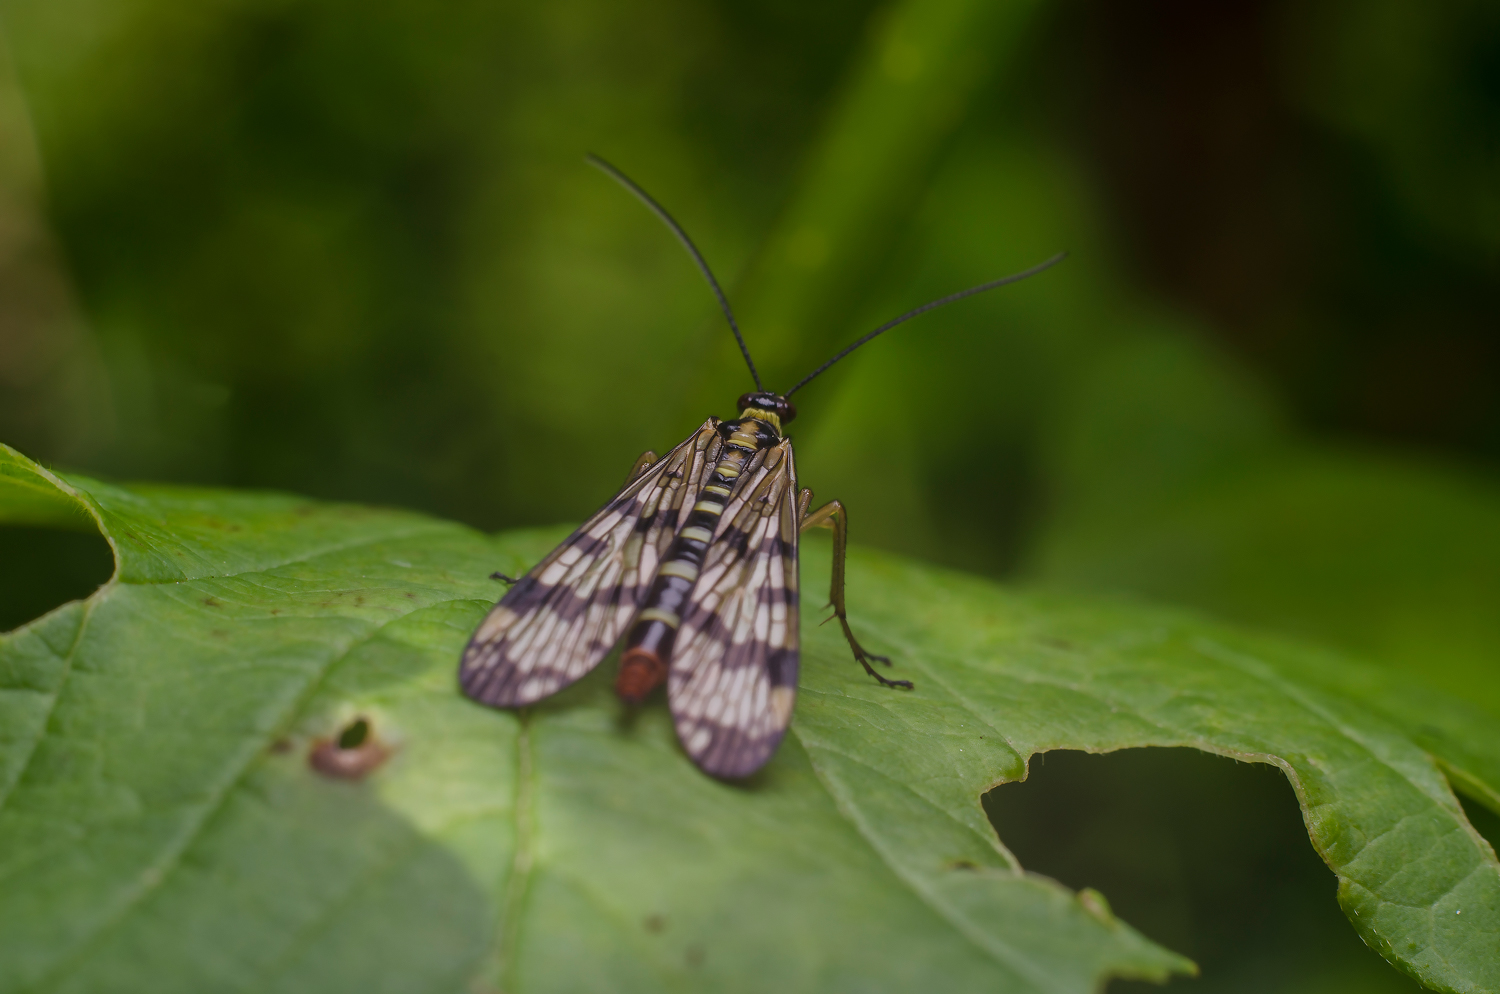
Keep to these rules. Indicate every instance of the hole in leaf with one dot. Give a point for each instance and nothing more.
(44, 568)
(1204, 855)
(351, 754)
(355, 734)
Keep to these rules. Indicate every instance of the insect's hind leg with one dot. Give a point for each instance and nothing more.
(641, 465)
(832, 515)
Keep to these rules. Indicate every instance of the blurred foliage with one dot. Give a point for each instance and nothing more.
(352, 251)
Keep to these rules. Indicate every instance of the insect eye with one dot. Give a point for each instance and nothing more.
(744, 400)
(787, 411)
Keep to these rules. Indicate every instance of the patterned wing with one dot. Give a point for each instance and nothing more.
(734, 668)
(562, 618)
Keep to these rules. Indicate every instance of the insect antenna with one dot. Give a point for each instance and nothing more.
(960, 295)
(687, 243)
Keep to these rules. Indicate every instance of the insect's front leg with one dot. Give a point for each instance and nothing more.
(832, 515)
(641, 465)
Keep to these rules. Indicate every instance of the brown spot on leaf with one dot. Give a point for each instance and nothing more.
(962, 864)
(281, 746)
(655, 924)
(350, 755)
(694, 956)
(211, 602)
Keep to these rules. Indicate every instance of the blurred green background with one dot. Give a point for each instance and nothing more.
(352, 250)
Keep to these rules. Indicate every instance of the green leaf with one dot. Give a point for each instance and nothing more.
(161, 827)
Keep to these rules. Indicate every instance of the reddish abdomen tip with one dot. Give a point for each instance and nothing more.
(640, 672)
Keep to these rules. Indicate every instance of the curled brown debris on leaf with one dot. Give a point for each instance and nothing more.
(350, 755)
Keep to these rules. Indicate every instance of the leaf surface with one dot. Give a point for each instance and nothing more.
(161, 826)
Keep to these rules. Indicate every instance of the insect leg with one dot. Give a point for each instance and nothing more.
(641, 465)
(507, 580)
(832, 515)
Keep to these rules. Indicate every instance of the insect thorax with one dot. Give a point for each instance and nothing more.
(753, 430)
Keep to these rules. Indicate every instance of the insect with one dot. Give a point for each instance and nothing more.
(694, 563)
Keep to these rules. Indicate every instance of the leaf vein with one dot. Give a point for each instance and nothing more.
(83, 622)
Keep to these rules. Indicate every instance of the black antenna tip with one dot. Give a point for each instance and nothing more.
(687, 243)
(960, 295)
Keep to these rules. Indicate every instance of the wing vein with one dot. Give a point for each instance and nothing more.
(562, 618)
